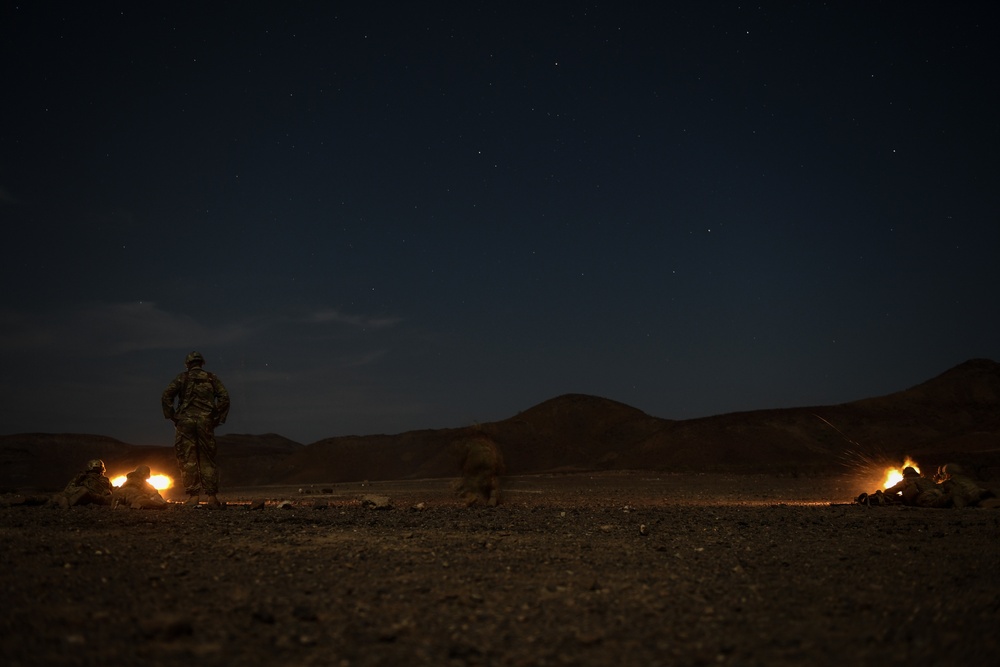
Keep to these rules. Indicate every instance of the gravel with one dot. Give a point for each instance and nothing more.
(622, 569)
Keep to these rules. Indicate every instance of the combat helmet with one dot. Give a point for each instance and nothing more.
(96, 465)
(194, 359)
(949, 469)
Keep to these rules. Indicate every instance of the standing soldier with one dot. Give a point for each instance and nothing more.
(196, 401)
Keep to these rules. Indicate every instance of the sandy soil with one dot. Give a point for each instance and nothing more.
(623, 569)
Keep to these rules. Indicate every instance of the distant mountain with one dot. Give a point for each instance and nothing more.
(49, 460)
(954, 416)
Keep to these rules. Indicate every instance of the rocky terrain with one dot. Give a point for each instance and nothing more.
(621, 539)
(624, 568)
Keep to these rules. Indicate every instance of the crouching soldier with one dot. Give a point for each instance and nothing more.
(136, 492)
(480, 465)
(918, 491)
(90, 487)
(961, 489)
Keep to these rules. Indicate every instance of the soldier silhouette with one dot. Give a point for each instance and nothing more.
(197, 401)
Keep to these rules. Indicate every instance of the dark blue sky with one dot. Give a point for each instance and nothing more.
(379, 217)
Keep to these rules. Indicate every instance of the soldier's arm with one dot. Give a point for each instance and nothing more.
(221, 401)
(895, 490)
(167, 400)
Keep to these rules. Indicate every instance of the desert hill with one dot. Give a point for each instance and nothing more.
(954, 416)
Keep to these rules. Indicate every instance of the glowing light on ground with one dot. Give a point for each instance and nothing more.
(158, 480)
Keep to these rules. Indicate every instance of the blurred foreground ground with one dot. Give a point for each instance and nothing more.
(619, 568)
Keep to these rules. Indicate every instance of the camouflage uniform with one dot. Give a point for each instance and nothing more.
(918, 491)
(963, 491)
(480, 464)
(136, 492)
(89, 487)
(197, 402)
(873, 499)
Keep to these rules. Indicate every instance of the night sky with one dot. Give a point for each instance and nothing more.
(377, 217)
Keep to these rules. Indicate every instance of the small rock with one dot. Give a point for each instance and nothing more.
(263, 616)
(304, 613)
(375, 502)
(166, 627)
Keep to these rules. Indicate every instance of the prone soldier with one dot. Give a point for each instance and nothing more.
(90, 487)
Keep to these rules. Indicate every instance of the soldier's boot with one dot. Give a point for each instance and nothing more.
(213, 503)
(193, 500)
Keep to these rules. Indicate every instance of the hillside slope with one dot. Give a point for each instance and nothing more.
(954, 416)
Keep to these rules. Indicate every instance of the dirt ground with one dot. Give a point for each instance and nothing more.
(622, 569)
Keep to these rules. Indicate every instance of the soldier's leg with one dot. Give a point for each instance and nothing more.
(78, 496)
(494, 498)
(95, 499)
(60, 499)
(206, 457)
(933, 498)
(186, 450)
(484, 486)
(149, 504)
